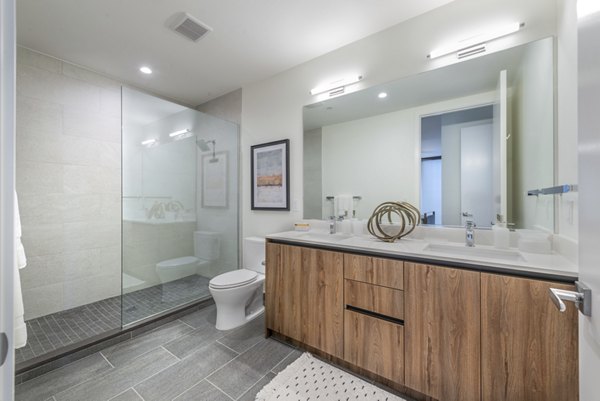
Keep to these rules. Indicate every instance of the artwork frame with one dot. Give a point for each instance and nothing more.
(215, 185)
(270, 175)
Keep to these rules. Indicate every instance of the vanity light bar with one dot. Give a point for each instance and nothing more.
(180, 132)
(473, 42)
(471, 51)
(336, 86)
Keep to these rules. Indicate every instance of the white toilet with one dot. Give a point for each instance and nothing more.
(206, 250)
(238, 294)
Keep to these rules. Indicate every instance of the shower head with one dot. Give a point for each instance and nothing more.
(203, 144)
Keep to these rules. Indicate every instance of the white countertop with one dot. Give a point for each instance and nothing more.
(551, 266)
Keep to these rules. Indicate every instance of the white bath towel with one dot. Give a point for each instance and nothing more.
(21, 261)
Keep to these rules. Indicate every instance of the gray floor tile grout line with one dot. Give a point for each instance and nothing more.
(284, 358)
(121, 393)
(175, 356)
(258, 381)
(106, 359)
(218, 388)
(187, 324)
(236, 357)
(138, 394)
(237, 352)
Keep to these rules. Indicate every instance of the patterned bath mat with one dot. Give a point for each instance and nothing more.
(310, 379)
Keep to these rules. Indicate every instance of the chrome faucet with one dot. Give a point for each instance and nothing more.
(333, 223)
(469, 230)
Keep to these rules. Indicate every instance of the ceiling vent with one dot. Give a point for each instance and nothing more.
(190, 27)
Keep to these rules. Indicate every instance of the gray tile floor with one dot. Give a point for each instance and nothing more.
(186, 359)
(52, 332)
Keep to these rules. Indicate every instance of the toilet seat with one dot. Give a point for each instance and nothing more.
(233, 279)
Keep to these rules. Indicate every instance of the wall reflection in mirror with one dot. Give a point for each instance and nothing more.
(469, 139)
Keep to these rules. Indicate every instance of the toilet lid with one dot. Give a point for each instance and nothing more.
(235, 278)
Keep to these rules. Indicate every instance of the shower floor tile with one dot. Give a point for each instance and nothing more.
(52, 332)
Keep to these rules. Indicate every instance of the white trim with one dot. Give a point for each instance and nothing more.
(7, 187)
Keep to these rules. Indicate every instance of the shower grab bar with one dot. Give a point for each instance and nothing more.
(560, 189)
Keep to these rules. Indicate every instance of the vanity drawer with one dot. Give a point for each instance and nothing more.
(375, 345)
(380, 271)
(382, 300)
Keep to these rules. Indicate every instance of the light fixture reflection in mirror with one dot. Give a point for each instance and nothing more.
(352, 143)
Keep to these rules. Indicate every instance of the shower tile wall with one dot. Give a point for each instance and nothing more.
(68, 182)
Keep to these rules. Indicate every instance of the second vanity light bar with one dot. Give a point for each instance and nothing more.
(337, 84)
(476, 42)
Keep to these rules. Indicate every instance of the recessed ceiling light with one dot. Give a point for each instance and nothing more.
(382, 95)
(146, 70)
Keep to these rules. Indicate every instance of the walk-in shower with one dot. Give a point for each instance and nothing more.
(124, 217)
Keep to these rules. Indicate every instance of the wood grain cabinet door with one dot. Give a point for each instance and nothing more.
(283, 289)
(442, 332)
(375, 345)
(323, 300)
(529, 348)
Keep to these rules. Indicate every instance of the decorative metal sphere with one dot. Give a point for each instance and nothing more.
(409, 216)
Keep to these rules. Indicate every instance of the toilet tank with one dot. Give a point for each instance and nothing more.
(207, 245)
(254, 254)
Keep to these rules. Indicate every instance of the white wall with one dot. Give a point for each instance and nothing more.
(566, 142)
(532, 139)
(374, 158)
(272, 109)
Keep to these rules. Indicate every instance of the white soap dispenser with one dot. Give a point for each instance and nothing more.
(501, 233)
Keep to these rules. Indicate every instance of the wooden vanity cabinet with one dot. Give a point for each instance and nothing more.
(442, 332)
(374, 344)
(373, 320)
(449, 334)
(283, 289)
(323, 300)
(529, 348)
(304, 296)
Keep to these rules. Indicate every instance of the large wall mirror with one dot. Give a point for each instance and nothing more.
(467, 139)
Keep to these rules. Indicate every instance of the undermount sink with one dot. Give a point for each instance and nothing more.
(479, 252)
(325, 237)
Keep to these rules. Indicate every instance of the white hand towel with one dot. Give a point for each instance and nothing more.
(343, 205)
(21, 261)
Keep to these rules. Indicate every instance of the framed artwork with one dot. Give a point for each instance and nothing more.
(214, 180)
(270, 172)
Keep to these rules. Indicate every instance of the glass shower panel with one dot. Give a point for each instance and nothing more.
(179, 216)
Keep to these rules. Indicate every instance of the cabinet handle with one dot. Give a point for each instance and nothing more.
(582, 298)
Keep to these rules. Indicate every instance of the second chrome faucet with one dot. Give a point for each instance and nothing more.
(469, 229)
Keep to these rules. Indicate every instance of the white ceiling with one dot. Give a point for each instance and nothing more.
(251, 41)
